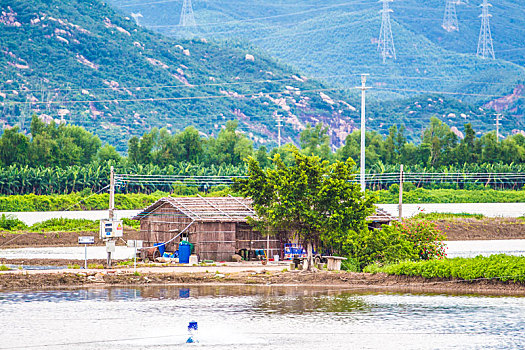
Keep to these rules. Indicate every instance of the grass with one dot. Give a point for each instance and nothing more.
(4, 268)
(501, 267)
(95, 266)
(74, 266)
(447, 216)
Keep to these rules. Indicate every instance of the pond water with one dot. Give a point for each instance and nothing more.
(251, 317)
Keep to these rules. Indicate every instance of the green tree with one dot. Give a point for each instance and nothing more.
(14, 147)
(313, 200)
(315, 141)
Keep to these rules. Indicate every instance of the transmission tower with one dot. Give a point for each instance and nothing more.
(485, 47)
(186, 16)
(450, 19)
(386, 39)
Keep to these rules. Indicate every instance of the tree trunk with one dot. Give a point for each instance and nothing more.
(309, 259)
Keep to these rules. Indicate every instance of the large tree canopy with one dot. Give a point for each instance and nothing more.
(314, 200)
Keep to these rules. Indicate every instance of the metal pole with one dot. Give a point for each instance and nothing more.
(279, 130)
(85, 256)
(111, 203)
(401, 193)
(135, 259)
(497, 127)
(111, 192)
(267, 249)
(363, 131)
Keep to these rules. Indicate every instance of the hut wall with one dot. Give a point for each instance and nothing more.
(161, 225)
(213, 240)
(249, 239)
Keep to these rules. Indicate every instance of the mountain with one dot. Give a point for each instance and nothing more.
(83, 63)
(336, 41)
(80, 62)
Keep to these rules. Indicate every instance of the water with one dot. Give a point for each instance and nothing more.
(254, 317)
(70, 253)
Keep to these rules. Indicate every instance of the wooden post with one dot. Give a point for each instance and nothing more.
(401, 193)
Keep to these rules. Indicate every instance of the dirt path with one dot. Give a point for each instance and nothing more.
(339, 280)
(466, 229)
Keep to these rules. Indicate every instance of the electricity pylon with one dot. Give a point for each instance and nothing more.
(186, 16)
(136, 17)
(450, 19)
(485, 47)
(386, 39)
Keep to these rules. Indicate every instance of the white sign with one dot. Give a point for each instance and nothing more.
(134, 244)
(110, 246)
(111, 229)
(86, 240)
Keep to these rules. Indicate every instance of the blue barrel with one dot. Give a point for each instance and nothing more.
(162, 248)
(184, 252)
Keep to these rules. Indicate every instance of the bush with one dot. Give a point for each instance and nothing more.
(426, 237)
(65, 225)
(502, 267)
(387, 245)
(10, 223)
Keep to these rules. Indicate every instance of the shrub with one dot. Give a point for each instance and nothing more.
(426, 237)
(11, 223)
(65, 225)
(502, 267)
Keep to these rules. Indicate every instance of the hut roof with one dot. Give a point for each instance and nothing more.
(381, 215)
(225, 209)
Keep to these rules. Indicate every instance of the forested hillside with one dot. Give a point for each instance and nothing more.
(335, 41)
(81, 63)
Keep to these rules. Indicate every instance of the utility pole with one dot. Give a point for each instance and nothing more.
(485, 46)
(279, 125)
(111, 192)
(386, 39)
(187, 19)
(497, 126)
(363, 89)
(136, 17)
(401, 174)
(450, 19)
(110, 243)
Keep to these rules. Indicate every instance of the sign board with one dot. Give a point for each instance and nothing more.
(110, 246)
(86, 240)
(111, 229)
(134, 244)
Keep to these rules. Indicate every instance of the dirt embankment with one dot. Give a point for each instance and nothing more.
(338, 280)
(54, 239)
(464, 229)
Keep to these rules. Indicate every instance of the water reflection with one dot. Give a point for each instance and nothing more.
(259, 317)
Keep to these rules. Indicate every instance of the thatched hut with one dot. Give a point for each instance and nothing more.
(216, 226)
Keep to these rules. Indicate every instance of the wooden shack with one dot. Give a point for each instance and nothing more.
(216, 226)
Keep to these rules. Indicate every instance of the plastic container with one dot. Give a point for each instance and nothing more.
(161, 246)
(184, 252)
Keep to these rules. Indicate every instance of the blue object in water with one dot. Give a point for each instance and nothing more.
(184, 293)
(161, 246)
(184, 252)
(192, 329)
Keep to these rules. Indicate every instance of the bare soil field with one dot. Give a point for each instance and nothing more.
(466, 229)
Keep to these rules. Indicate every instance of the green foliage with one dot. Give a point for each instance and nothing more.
(501, 267)
(4, 268)
(11, 223)
(312, 199)
(447, 216)
(422, 195)
(131, 223)
(425, 236)
(65, 225)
